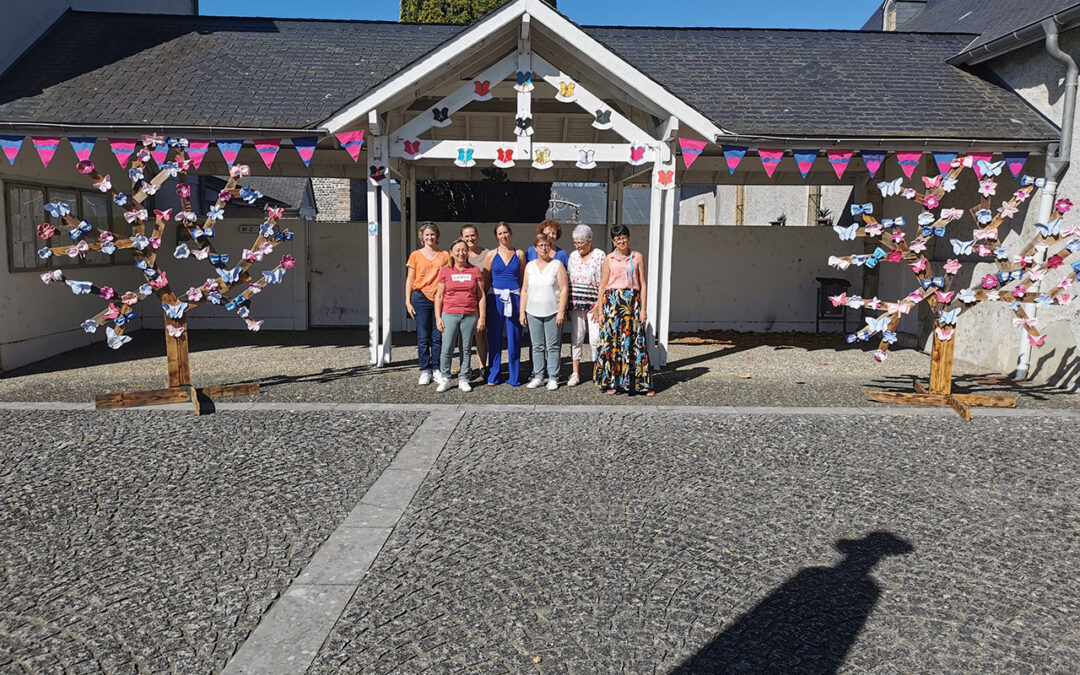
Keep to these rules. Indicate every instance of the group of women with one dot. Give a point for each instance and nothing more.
(471, 294)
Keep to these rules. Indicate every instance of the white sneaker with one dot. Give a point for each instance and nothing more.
(425, 377)
(535, 383)
(553, 384)
(464, 385)
(573, 381)
(439, 377)
(443, 386)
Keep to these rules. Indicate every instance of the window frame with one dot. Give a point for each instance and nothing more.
(77, 210)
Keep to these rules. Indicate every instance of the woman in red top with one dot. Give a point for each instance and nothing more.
(459, 308)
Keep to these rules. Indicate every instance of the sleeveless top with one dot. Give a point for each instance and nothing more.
(505, 276)
(543, 297)
(621, 273)
(477, 260)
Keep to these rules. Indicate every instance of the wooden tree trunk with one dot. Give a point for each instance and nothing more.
(177, 351)
(941, 366)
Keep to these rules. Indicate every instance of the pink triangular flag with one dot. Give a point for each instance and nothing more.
(268, 149)
(977, 157)
(770, 159)
(197, 152)
(46, 147)
(691, 150)
(123, 148)
(352, 141)
(839, 159)
(909, 161)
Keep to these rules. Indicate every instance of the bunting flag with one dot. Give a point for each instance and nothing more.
(873, 159)
(82, 147)
(839, 159)
(1015, 161)
(944, 161)
(909, 161)
(268, 149)
(46, 147)
(734, 155)
(977, 157)
(691, 150)
(197, 151)
(159, 153)
(352, 141)
(306, 148)
(11, 145)
(805, 160)
(123, 148)
(770, 159)
(229, 150)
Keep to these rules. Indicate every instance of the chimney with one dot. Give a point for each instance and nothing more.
(895, 13)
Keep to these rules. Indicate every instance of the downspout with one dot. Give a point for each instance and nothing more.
(1057, 164)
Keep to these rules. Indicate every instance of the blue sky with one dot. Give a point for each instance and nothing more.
(761, 14)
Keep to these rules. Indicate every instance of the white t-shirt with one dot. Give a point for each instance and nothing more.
(543, 297)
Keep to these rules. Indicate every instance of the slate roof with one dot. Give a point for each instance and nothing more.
(95, 68)
(988, 20)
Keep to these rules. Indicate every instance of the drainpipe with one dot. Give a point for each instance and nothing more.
(1057, 163)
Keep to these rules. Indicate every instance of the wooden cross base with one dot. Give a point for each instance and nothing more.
(180, 394)
(961, 403)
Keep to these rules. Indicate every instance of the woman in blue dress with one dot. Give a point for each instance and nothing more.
(504, 266)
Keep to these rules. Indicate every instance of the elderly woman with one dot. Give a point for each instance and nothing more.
(421, 282)
(623, 361)
(460, 309)
(543, 306)
(584, 269)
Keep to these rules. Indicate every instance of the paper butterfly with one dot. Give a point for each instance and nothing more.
(105, 184)
(944, 334)
(175, 331)
(149, 188)
(949, 318)
(877, 325)
(1044, 301)
(859, 209)
(174, 311)
(1051, 229)
(838, 300)
(890, 188)
(186, 216)
(932, 182)
(275, 212)
(203, 232)
(944, 298)
(273, 276)
(58, 209)
(115, 340)
(79, 230)
(961, 247)
(847, 233)
(990, 168)
(253, 325)
(165, 215)
(80, 287)
(839, 263)
(229, 276)
(1036, 341)
(239, 170)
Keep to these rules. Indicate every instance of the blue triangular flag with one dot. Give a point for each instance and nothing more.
(733, 154)
(1015, 161)
(82, 147)
(229, 150)
(306, 148)
(873, 159)
(805, 160)
(10, 145)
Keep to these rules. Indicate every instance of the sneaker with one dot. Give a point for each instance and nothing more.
(573, 381)
(535, 383)
(439, 377)
(464, 385)
(553, 384)
(425, 377)
(443, 386)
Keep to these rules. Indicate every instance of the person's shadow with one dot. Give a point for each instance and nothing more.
(808, 624)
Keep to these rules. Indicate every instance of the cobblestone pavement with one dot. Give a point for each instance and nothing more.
(626, 542)
(321, 366)
(153, 542)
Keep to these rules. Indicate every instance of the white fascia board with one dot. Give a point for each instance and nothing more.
(426, 66)
(489, 150)
(574, 39)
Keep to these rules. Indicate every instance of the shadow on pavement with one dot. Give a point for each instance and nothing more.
(808, 624)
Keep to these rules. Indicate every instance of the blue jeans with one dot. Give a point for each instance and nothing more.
(546, 336)
(428, 337)
(455, 324)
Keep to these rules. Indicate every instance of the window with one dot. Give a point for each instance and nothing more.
(25, 211)
(740, 205)
(701, 213)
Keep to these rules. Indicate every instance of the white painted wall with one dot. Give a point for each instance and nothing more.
(23, 22)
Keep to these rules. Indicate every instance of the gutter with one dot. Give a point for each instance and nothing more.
(203, 132)
(1021, 37)
(891, 143)
(1057, 164)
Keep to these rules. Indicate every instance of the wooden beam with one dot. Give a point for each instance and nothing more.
(615, 153)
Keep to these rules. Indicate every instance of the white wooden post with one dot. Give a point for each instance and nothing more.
(666, 266)
(374, 157)
(387, 329)
(410, 232)
(652, 262)
(524, 98)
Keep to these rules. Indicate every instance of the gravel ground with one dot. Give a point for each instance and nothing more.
(153, 542)
(330, 366)
(590, 543)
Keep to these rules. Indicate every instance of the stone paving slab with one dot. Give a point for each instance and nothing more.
(135, 541)
(632, 542)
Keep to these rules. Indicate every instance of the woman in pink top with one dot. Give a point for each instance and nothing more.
(623, 359)
(459, 309)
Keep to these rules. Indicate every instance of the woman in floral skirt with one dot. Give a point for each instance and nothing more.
(623, 361)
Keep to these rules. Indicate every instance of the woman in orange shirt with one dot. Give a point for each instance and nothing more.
(421, 282)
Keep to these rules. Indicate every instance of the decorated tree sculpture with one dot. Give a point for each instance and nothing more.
(1012, 283)
(229, 286)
